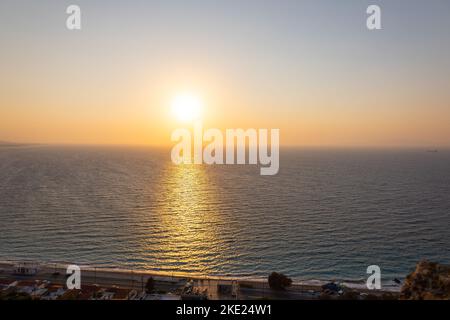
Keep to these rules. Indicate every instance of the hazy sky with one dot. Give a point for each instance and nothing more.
(310, 68)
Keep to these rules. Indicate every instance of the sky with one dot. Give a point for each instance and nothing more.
(310, 68)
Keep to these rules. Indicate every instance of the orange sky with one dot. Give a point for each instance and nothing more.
(327, 84)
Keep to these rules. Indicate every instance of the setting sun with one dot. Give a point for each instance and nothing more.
(187, 107)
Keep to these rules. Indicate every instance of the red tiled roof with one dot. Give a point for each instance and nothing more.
(6, 281)
(26, 283)
(89, 288)
(53, 287)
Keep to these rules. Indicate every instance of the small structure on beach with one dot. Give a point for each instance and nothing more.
(231, 289)
(26, 269)
(189, 292)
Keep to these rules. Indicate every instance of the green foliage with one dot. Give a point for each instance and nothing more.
(150, 285)
(279, 281)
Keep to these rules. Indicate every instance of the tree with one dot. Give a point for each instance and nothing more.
(279, 281)
(150, 285)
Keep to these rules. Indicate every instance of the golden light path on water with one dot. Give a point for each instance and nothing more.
(189, 220)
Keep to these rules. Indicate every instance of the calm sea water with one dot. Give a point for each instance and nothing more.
(328, 214)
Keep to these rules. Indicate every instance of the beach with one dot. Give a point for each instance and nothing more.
(171, 286)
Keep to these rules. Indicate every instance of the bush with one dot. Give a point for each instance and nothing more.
(349, 295)
(150, 285)
(279, 281)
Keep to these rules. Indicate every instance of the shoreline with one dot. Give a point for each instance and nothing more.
(180, 274)
(250, 288)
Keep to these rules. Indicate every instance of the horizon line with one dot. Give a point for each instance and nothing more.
(305, 146)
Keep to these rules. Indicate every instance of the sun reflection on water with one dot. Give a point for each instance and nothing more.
(190, 238)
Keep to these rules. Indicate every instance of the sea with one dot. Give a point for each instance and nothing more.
(327, 215)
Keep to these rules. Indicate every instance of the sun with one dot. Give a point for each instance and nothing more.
(186, 107)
